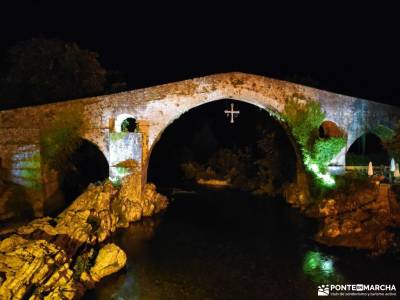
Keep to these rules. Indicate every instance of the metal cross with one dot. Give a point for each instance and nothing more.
(232, 112)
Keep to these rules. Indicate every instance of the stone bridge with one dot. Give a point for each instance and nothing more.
(154, 108)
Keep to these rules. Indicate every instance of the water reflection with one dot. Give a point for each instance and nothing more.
(127, 289)
(320, 268)
(221, 245)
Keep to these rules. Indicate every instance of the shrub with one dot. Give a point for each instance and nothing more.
(324, 150)
(304, 117)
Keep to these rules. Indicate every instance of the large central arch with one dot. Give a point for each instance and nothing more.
(273, 108)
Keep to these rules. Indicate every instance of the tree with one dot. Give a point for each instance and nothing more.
(42, 71)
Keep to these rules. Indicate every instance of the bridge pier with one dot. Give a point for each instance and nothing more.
(128, 156)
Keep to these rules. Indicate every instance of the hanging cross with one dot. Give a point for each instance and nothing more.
(232, 112)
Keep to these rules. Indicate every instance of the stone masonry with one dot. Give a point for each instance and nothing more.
(155, 108)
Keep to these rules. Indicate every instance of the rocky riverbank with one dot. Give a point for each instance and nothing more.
(361, 212)
(59, 258)
(365, 218)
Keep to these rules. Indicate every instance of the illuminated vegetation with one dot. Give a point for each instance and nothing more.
(115, 136)
(324, 150)
(304, 117)
(320, 268)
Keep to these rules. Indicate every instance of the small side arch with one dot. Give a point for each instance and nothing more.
(125, 121)
(329, 129)
(367, 147)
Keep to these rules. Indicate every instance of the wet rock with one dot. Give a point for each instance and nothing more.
(359, 220)
(131, 188)
(384, 241)
(328, 208)
(38, 259)
(350, 226)
(60, 285)
(110, 259)
(153, 202)
(331, 227)
(27, 264)
(297, 195)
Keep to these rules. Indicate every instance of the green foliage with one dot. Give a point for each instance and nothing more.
(304, 116)
(125, 125)
(129, 125)
(117, 183)
(60, 138)
(350, 184)
(115, 136)
(347, 184)
(324, 150)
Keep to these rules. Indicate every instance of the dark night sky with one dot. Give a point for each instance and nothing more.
(349, 50)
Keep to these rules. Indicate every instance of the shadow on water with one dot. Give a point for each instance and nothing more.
(232, 245)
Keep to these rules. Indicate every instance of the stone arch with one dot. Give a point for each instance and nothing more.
(120, 119)
(273, 108)
(329, 129)
(367, 144)
(359, 135)
(129, 125)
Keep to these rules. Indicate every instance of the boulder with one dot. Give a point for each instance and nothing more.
(109, 260)
(328, 208)
(37, 261)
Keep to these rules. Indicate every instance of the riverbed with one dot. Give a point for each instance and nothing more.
(226, 244)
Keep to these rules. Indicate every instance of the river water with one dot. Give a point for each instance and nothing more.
(231, 245)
